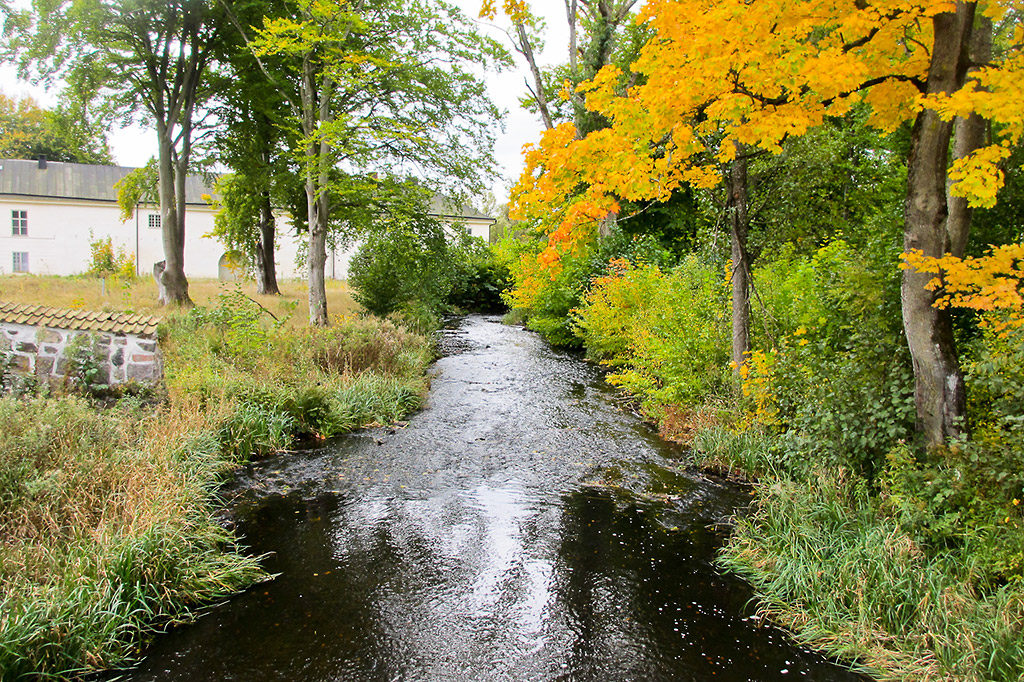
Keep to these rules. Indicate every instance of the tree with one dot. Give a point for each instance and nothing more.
(603, 24)
(139, 58)
(759, 73)
(378, 87)
(27, 131)
(253, 142)
(244, 222)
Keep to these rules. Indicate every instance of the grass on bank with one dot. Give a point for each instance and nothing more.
(831, 561)
(140, 295)
(107, 514)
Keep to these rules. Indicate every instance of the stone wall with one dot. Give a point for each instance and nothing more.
(43, 353)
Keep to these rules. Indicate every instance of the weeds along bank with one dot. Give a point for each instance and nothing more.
(907, 562)
(107, 513)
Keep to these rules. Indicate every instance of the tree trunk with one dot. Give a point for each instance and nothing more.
(607, 224)
(317, 256)
(570, 15)
(538, 82)
(316, 110)
(738, 228)
(938, 383)
(266, 271)
(172, 219)
(969, 134)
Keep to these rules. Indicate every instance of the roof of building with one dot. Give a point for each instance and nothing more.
(84, 320)
(446, 208)
(62, 180)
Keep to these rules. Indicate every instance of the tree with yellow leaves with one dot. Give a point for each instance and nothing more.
(721, 76)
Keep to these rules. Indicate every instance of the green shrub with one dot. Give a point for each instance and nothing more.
(479, 278)
(665, 334)
(105, 261)
(837, 383)
(409, 260)
(547, 296)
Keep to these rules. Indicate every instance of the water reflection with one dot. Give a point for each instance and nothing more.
(506, 534)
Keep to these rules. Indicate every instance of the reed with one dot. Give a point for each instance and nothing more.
(107, 528)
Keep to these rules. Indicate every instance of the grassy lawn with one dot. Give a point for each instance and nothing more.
(139, 296)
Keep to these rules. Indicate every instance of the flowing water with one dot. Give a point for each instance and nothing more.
(521, 527)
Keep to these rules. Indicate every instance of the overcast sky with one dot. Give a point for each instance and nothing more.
(134, 146)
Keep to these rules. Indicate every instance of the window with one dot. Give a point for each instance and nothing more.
(19, 223)
(154, 221)
(20, 261)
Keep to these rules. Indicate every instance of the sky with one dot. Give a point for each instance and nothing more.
(134, 146)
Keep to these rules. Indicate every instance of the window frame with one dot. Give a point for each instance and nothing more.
(20, 262)
(154, 221)
(19, 222)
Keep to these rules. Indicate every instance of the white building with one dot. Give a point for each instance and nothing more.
(56, 209)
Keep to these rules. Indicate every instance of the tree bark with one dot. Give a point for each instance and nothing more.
(607, 224)
(938, 382)
(315, 111)
(538, 83)
(969, 134)
(175, 285)
(570, 16)
(317, 256)
(266, 270)
(738, 229)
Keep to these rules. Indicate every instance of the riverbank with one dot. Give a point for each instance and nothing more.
(108, 502)
(877, 572)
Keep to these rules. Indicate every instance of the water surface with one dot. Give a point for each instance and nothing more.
(521, 527)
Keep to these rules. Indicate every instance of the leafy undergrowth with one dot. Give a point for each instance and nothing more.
(107, 513)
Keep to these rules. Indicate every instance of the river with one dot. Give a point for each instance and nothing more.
(520, 527)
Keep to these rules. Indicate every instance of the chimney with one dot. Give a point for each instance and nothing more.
(42, 162)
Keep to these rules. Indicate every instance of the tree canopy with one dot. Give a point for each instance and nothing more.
(378, 88)
(28, 131)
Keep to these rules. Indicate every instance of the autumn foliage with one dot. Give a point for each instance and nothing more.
(991, 284)
(720, 75)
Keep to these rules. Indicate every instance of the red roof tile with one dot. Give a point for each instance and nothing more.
(60, 318)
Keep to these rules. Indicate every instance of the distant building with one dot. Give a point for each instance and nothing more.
(57, 208)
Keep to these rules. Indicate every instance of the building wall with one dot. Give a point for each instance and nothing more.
(59, 232)
(479, 228)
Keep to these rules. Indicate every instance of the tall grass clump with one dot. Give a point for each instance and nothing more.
(275, 384)
(106, 528)
(747, 452)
